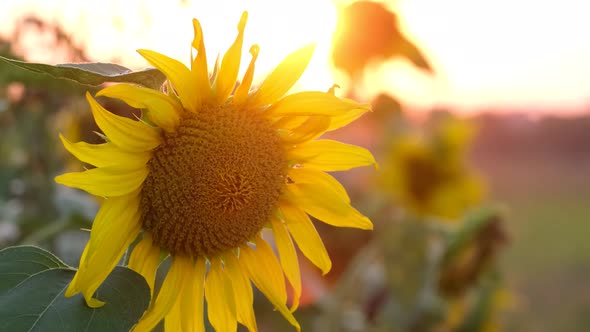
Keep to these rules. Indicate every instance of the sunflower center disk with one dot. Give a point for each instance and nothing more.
(214, 183)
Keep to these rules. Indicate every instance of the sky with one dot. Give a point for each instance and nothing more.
(500, 54)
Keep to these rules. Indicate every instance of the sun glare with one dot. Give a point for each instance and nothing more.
(279, 28)
(294, 24)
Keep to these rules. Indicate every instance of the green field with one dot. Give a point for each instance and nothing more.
(548, 260)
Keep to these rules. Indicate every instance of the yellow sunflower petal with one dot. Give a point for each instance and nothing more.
(243, 293)
(173, 320)
(73, 288)
(337, 119)
(326, 205)
(162, 110)
(289, 122)
(215, 70)
(311, 176)
(181, 77)
(313, 103)
(306, 236)
(199, 64)
(266, 273)
(312, 128)
(230, 65)
(288, 258)
(171, 289)
(125, 133)
(145, 259)
(221, 305)
(329, 155)
(344, 118)
(105, 154)
(187, 313)
(109, 219)
(192, 305)
(116, 225)
(283, 77)
(99, 266)
(242, 91)
(109, 181)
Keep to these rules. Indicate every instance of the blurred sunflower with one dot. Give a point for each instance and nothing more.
(202, 173)
(428, 175)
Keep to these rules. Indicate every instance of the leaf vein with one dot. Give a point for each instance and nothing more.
(50, 305)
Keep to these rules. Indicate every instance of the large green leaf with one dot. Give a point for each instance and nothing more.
(94, 74)
(20, 263)
(32, 287)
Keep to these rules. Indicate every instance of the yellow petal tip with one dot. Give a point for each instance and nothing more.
(94, 303)
(243, 20)
(146, 54)
(71, 291)
(59, 179)
(64, 140)
(101, 93)
(90, 98)
(367, 225)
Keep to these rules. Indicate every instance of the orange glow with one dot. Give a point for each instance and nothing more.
(498, 53)
(503, 54)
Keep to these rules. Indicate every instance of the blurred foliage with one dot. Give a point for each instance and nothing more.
(33, 109)
(432, 261)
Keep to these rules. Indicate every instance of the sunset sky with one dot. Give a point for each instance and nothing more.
(513, 54)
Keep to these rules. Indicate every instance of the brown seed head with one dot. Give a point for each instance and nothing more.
(213, 183)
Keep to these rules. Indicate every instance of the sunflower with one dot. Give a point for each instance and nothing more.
(428, 174)
(207, 167)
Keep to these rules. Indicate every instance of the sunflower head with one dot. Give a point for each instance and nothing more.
(210, 164)
(428, 175)
(222, 172)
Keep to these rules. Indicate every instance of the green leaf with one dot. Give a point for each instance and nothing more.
(37, 302)
(30, 261)
(94, 74)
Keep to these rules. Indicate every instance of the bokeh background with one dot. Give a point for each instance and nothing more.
(518, 72)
